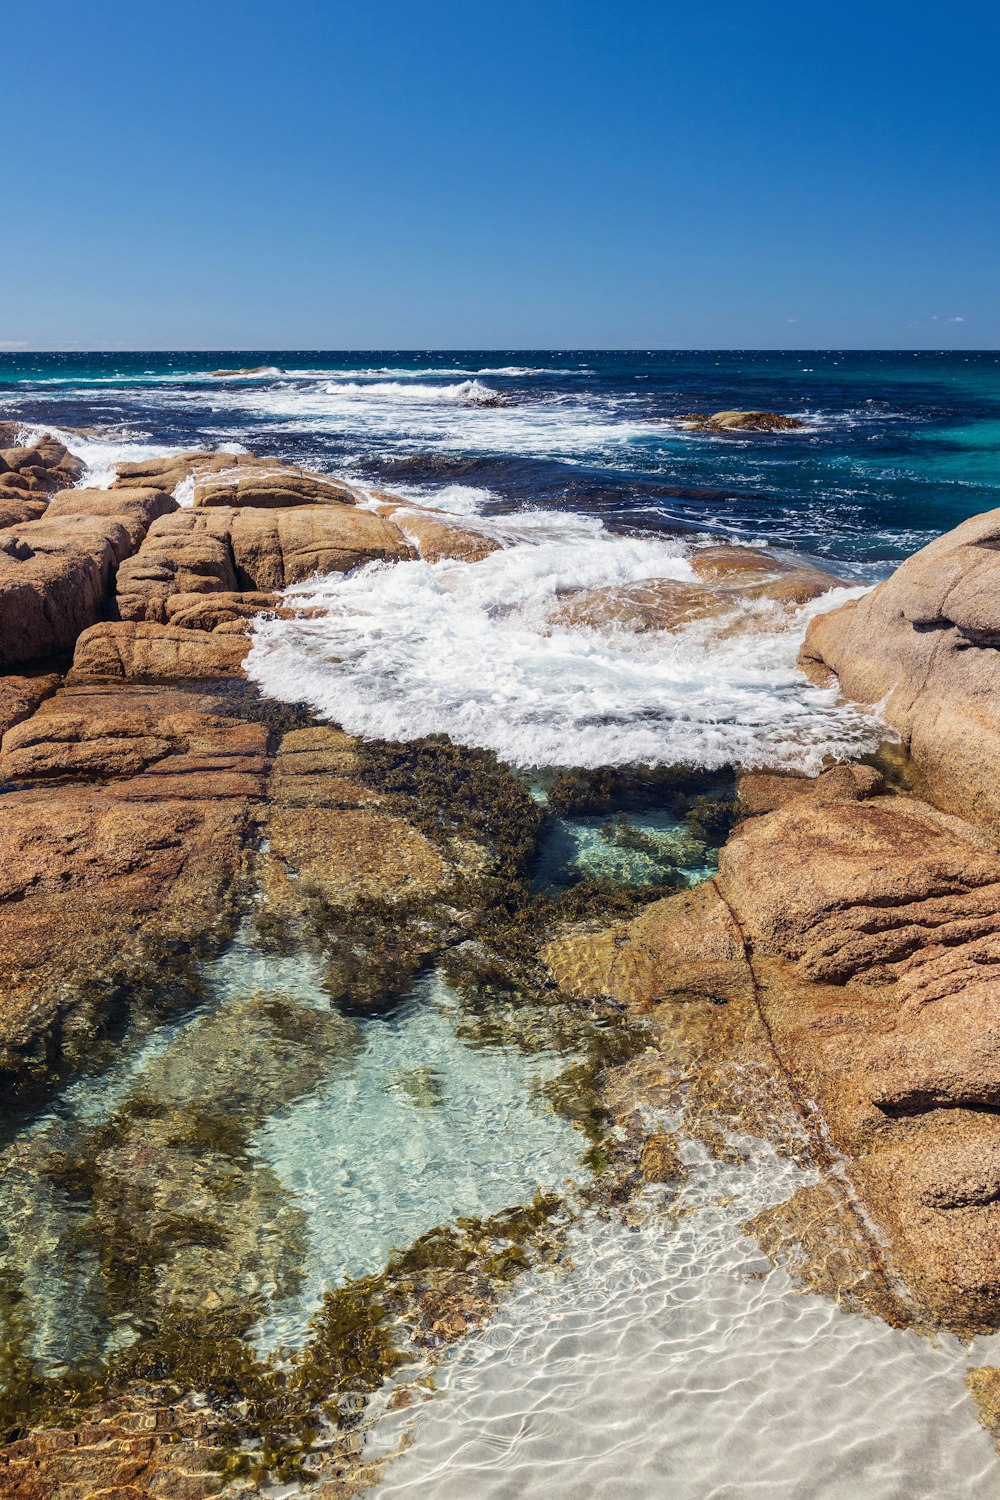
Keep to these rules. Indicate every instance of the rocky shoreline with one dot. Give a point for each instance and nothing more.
(829, 989)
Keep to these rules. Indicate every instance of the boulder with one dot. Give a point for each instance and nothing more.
(135, 509)
(186, 552)
(857, 936)
(275, 548)
(55, 581)
(743, 421)
(270, 485)
(228, 551)
(922, 647)
(128, 650)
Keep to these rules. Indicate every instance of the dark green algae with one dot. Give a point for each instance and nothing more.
(485, 931)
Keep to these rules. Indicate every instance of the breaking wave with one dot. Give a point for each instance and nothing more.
(476, 651)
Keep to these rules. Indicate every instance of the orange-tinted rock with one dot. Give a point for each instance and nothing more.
(922, 645)
(125, 650)
(135, 509)
(274, 548)
(270, 485)
(55, 581)
(187, 552)
(761, 792)
(743, 421)
(16, 508)
(20, 696)
(654, 604)
(226, 612)
(438, 535)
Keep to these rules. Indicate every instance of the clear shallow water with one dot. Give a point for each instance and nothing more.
(341, 1140)
(674, 1360)
(640, 849)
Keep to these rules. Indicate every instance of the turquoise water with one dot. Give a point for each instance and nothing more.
(261, 1151)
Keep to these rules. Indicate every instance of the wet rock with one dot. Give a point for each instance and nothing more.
(683, 944)
(131, 1449)
(127, 651)
(348, 854)
(248, 370)
(743, 421)
(725, 578)
(438, 535)
(660, 1160)
(91, 891)
(655, 604)
(922, 646)
(860, 939)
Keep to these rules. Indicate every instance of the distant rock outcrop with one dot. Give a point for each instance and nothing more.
(742, 421)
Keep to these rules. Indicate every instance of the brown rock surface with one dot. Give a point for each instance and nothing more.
(135, 509)
(270, 485)
(743, 421)
(655, 604)
(227, 551)
(922, 645)
(55, 581)
(225, 612)
(20, 696)
(124, 839)
(762, 792)
(275, 548)
(725, 577)
(126, 651)
(438, 535)
(867, 933)
(17, 508)
(187, 552)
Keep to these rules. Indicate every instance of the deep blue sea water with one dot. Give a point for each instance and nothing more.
(899, 447)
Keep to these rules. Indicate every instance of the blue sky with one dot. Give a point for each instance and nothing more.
(530, 174)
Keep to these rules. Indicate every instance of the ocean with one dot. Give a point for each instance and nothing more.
(580, 459)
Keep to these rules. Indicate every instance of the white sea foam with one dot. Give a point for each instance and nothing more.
(102, 453)
(462, 393)
(470, 650)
